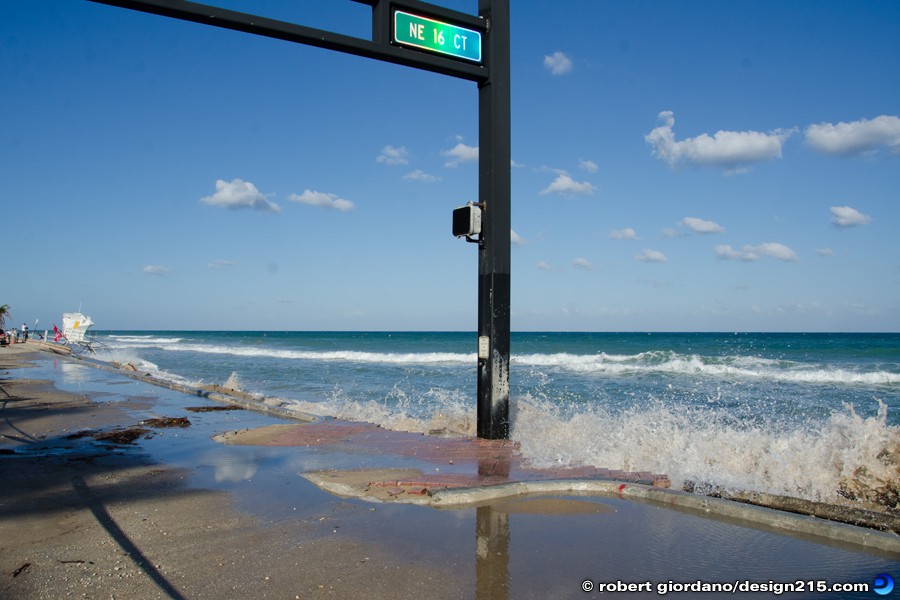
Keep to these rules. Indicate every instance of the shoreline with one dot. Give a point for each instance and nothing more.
(123, 521)
(104, 521)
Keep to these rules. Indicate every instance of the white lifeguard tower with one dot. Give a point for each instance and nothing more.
(75, 326)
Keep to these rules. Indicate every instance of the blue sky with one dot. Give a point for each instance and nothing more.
(677, 165)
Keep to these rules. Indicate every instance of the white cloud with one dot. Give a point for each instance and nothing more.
(845, 216)
(623, 234)
(420, 175)
(322, 199)
(800, 308)
(651, 256)
(582, 263)
(544, 266)
(856, 137)
(825, 252)
(460, 153)
(588, 165)
(515, 239)
(220, 263)
(558, 63)
(670, 232)
(775, 250)
(393, 155)
(701, 225)
(565, 185)
(726, 252)
(239, 194)
(752, 253)
(156, 270)
(733, 151)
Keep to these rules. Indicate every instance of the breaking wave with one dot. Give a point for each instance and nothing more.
(814, 427)
(659, 362)
(847, 456)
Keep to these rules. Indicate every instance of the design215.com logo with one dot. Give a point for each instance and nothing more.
(884, 584)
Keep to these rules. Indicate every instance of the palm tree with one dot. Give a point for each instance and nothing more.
(4, 314)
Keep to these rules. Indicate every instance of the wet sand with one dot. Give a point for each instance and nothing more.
(175, 514)
(83, 520)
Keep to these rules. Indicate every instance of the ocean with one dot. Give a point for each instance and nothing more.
(809, 415)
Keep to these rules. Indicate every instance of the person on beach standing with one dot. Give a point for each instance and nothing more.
(25, 330)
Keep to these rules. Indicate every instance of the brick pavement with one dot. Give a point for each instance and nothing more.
(458, 462)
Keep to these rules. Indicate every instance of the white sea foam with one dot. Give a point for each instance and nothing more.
(741, 368)
(350, 356)
(435, 409)
(688, 444)
(739, 422)
(700, 446)
(126, 355)
(140, 340)
(730, 367)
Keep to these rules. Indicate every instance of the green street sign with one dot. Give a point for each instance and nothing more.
(435, 36)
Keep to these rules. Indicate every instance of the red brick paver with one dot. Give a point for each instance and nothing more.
(458, 461)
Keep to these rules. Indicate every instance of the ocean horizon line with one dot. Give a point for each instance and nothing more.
(519, 331)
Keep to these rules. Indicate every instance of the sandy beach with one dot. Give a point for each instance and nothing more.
(86, 522)
(114, 488)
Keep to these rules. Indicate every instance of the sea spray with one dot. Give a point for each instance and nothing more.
(870, 458)
(234, 382)
(846, 457)
(129, 355)
(434, 411)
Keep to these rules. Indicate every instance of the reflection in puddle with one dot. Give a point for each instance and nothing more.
(236, 466)
(533, 547)
(491, 553)
(73, 373)
(553, 506)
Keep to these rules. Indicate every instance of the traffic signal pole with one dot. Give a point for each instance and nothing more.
(494, 189)
(440, 40)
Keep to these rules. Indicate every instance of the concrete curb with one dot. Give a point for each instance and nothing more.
(869, 538)
(258, 403)
(462, 498)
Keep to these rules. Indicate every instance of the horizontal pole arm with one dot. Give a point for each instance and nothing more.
(435, 11)
(300, 34)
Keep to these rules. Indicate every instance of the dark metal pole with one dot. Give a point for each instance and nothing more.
(378, 48)
(493, 255)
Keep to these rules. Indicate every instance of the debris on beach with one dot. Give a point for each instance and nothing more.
(163, 422)
(126, 435)
(122, 436)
